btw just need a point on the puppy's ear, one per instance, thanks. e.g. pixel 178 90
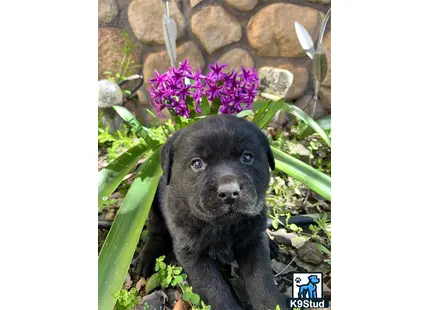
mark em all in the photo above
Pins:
pixel 166 156
pixel 265 143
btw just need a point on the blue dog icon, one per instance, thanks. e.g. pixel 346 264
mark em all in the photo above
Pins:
pixel 309 289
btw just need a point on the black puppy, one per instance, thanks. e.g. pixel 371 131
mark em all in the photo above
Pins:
pixel 210 207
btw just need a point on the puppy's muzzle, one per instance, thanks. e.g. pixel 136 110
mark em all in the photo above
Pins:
pixel 228 189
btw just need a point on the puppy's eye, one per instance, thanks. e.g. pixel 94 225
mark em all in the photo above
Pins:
pixel 247 158
pixel 197 164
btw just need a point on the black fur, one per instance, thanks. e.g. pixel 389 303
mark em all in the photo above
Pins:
pixel 204 230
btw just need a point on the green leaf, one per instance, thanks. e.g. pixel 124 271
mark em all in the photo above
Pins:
pixel 293 227
pixel 111 176
pixel 215 106
pixel 206 108
pixel 319 66
pixel 152 283
pixel 324 123
pixel 152 114
pixel 127 116
pixel 195 299
pixel 245 113
pixel 258 104
pixel 118 249
pixel 323 248
pixel 302 172
pixel 186 296
pixel 177 270
pixel 296 111
pixel 265 114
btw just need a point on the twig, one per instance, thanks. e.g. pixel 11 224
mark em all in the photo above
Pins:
pixel 286 266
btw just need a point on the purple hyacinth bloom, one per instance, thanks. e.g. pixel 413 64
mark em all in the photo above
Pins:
pixel 216 71
pixel 184 67
pixel 172 89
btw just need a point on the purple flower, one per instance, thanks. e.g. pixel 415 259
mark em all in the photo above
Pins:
pixel 216 71
pixel 172 89
pixel 185 67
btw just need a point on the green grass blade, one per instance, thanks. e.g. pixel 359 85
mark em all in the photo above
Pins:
pixel 111 176
pixel 244 113
pixel 261 119
pixel 309 176
pixel 117 252
pixel 127 116
pixel 205 106
pixel 324 123
pixel 296 111
pixel 260 112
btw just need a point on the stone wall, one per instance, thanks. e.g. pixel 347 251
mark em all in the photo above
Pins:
pixel 236 32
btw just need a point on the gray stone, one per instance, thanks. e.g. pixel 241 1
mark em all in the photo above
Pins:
pixel 161 62
pixel 271 31
pixel 236 58
pixel 281 236
pixel 309 253
pixel 243 5
pixel 110 94
pixel 274 82
pixel 146 20
pixel 111 42
pixel 193 3
pixel 108 10
pixel 300 82
pixel 215 27
pixel 155 301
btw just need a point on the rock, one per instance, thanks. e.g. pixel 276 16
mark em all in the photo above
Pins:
pixel 326 291
pixel 274 82
pixel 146 16
pixel 298 241
pixel 309 253
pixel 242 5
pixel 300 82
pixel 161 60
pixel 193 3
pixel 155 301
pixel 281 267
pixel 289 292
pixel 325 97
pixel 319 1
pixel 236 58
pixel 271 31
pixel 181 305
pixel 110 94
pixel 327 49
pixel 111 41
pixel 281 236
pixel 306 104
pixel 173 296
pixel 215 27
pixel 141 283
pixel 127 282
pixel 108 10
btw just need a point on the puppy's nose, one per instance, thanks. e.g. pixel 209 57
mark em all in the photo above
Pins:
pixel 229 192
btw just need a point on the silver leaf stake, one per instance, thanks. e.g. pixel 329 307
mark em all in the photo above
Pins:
pixel 305 39
pixel 170 32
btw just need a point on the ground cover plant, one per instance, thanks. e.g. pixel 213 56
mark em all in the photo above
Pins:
pixel 130 169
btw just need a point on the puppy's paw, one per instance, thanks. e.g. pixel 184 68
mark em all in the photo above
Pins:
pixel 143 265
